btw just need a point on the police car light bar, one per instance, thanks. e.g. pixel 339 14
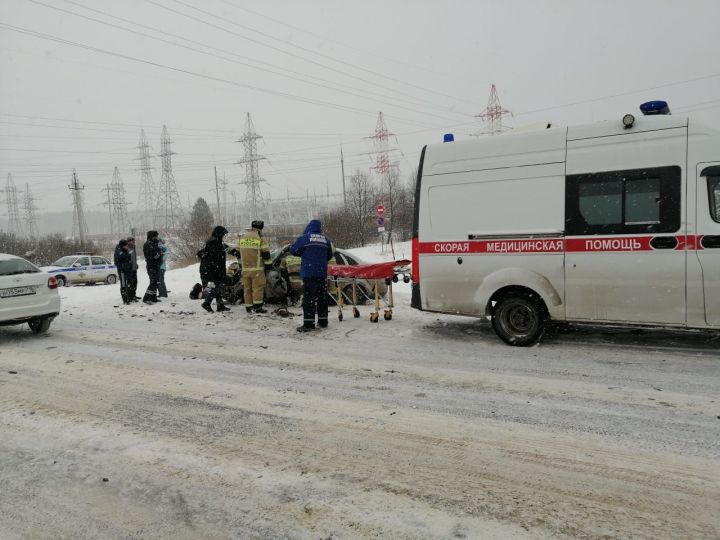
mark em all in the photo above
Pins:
pixel 654 107
pixel 448 137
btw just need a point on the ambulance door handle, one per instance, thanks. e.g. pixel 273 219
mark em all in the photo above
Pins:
pixel 664 242
pixel 711 241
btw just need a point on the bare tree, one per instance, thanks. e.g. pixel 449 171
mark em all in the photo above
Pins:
pixel 404 208
pixel 361 206
pixel 339 225
pixel 390 188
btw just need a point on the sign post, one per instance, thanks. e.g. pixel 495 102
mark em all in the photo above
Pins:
pixel 380 211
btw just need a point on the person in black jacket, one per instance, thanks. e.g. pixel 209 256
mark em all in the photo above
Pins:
pixel 153 260
pixel 132 277
pixel 212 269
pixel 123 262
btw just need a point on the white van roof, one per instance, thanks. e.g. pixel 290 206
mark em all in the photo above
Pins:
pixel 609 128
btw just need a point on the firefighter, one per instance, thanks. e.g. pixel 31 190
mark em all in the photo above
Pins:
pixel 316 250
pixel 254 255
pixel 290 270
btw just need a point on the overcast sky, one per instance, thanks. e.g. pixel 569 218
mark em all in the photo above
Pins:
pixel 315 74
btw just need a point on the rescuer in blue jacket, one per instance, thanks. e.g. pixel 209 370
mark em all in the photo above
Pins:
pixel 315 250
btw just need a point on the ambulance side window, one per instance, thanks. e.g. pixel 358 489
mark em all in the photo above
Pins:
pixel 714 195
pixel 623 202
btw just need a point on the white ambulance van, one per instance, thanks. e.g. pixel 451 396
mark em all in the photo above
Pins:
pixel 616 222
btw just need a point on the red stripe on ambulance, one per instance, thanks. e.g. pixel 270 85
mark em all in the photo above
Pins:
pixel 553 245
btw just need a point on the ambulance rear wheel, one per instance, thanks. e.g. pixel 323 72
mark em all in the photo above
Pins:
pixel 519 319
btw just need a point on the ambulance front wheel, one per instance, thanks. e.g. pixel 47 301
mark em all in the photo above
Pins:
pixel 519 318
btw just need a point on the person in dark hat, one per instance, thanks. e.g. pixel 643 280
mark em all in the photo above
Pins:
pixel 254 255
pixel 123 263
pixel 153 260
pixel 212 269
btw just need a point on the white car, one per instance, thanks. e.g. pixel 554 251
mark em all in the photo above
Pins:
pixel 27 294
pixel 89 269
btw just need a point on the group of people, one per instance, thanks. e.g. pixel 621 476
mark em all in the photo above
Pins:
pixel 156 254
pixel 311 252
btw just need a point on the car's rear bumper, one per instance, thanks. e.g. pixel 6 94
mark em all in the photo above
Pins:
pixel 45 305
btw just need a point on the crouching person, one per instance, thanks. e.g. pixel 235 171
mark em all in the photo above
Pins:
pixel 315 250
pixel 124 264
pixel 212 268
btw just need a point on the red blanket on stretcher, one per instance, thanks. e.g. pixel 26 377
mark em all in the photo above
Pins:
pixel 384 270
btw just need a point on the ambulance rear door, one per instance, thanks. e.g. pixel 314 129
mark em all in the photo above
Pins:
pixel 708 237
pixel 624 224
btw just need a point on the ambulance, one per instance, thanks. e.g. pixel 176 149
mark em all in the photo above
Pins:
pixel 615 222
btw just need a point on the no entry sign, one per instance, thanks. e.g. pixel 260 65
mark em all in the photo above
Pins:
pixel 380 209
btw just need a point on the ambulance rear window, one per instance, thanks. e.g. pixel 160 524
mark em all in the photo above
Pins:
pixel 714 195
pixel 623 202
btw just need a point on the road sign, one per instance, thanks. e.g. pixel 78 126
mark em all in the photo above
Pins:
pixel 381 229
pixel 380 209
pixel 381 221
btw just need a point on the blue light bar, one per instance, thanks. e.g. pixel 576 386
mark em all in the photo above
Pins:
pixel 654 107
pixel 448 137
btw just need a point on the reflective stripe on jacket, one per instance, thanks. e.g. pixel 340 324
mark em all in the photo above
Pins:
pixel 253 251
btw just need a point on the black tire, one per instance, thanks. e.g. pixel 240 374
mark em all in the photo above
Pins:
pixel 111 279
pixel 519 319
pixel 39 325
pixel 61 281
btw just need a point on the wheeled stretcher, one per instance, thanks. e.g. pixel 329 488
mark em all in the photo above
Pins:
pixel 388 272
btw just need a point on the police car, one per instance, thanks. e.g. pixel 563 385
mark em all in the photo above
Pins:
pixel 82 268
pixel 27 294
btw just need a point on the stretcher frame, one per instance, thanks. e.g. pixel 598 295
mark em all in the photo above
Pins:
pixel 388 272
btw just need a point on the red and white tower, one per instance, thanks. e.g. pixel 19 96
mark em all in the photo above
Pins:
pixel 492 115
pixel 381 148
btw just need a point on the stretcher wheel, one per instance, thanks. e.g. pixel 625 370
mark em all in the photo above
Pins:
pixel 374 317
pixel 356 312
pixel 340 316
pixel 388 315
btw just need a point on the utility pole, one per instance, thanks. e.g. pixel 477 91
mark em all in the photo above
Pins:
pixel 224 184
pixel 11 199
pixel 342 168
pixel 218 217
pixel 253 193
pixel 30 211
pixel 382 166
pixel 147 200
pixel 108 203
pixel 80 229
pixel 169 209
pixel 118 204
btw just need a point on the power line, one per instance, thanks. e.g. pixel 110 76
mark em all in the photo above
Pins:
pixel 279 71
pixel 56 39
pixel 325 38
pixel 300 57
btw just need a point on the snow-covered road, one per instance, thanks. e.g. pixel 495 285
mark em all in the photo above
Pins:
pixel 169 422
